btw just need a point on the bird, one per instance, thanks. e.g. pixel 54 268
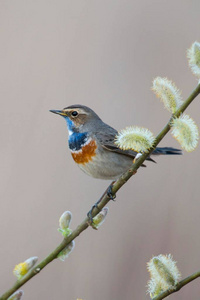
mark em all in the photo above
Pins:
pixel 92 144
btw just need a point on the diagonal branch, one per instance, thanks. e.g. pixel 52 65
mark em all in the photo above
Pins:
pixel 102 202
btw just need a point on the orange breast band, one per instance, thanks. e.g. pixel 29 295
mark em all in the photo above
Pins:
pixel 85 154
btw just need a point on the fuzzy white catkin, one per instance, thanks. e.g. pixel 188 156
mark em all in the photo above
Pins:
pixel 163 274
pixel 185 131
pixel 135 138
pixel 193 55
pixel 168 93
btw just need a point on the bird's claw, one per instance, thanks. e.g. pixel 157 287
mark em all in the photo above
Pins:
pixel 89 214
pixel 111 196
pixel 109 192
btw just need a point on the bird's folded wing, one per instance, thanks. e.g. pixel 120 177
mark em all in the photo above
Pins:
pixel 107 141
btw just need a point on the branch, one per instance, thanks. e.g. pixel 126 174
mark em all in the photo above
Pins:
pixel 178 286
pixel 102 202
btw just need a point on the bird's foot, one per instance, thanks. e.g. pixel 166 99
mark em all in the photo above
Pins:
pixel 89 214
pixel 109 192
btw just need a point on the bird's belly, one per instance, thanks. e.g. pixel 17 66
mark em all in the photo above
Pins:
pixel 104 164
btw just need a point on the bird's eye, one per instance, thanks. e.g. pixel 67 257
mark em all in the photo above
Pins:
pixel 74 113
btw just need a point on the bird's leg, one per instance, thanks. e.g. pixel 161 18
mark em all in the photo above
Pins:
pixel 109 194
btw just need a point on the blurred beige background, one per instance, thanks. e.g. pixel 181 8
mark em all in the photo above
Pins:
pixel 103 54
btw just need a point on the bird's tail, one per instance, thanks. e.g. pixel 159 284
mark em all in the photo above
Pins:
pixel 166 151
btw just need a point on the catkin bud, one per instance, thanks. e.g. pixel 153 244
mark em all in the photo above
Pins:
pixel 16 296
pixel 99 218
pixel 66 251
pixel 164 274
pixel 135 138
pixel 64 223
pixel 193 55
pixel 22 269
pixel 65 220
pixel 168 93
pixel 185 131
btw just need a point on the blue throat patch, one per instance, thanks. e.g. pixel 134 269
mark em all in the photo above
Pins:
pixel 70 124
pixel 77 140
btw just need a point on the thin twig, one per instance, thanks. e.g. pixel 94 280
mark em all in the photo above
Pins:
pixel 103 201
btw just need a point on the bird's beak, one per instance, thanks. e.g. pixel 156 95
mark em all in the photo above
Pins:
pixel 58 112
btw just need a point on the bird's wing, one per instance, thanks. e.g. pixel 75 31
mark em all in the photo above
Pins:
pixel 107 141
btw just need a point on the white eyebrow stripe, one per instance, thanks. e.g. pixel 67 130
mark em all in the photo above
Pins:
pixel 79 110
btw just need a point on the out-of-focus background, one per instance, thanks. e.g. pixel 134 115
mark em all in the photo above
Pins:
pixel 103 54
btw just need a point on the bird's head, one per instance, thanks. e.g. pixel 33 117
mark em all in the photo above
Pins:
pixel 78 117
